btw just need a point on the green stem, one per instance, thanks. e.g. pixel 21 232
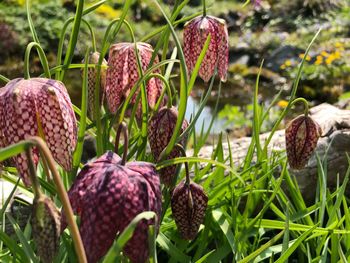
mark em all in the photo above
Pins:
pixel 105 45
pixel 166 89
pixel 187 171
pixel 122 128
pixel 32 174
pixel 60 43
pixel 293 93
pixel 183 85
pixel 305 102
pixel 44 150
pixel 42 58
pixel 4 79
pixel 204 8
pixel 73 37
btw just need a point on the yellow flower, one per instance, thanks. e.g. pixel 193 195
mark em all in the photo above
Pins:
pixel 319 60
pixel 108 11
pixel 336 54
pixel 330 59
pixel 288 63
pixel 308 57
pixel 282 103
pixel 339 44
pixel 325 53
pixel 283 66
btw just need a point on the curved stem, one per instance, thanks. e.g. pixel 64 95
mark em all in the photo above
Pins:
pixel 293 92
pixel 73 37
pixel 204 8
pixel 45 152
pixel 187 170
pixel 167 89
pixel 122 128
pixel 305 102
pixel 32 173
pixel 42 57
pixel 105 45
pixel 92 34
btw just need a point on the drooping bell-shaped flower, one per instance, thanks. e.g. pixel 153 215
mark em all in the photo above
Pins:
pixel 301 134
pixel 160 129
pixel 46 225
pixel 92 73
pixel 196 32
pixel 122 74
pixel 188 205
pixel 107 195
pixel 38 107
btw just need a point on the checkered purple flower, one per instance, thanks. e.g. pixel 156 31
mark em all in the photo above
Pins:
pixel 33 107
pixel 107 195
pixel 196 32
pixel 301 134
pixel 122 74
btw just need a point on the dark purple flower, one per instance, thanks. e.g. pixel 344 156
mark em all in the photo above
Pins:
pixel 122 74
pixel 160 129
pixel 188 204
pixel 38 107
pixel 107 196
pixel 301 134
pixel 196 32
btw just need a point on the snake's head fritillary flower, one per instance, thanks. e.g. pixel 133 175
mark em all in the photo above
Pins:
pixel 196 32
pixel 188 204
pixel 107 195
pixel 38 107
pixel 122 74
pixel 160 129
pixel 301 134
pixel 46 225
pixel 92 73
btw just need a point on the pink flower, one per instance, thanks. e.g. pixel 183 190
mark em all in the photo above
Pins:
pixel 196 32
pixel 107 195
pixel 122 74
pixel 33 107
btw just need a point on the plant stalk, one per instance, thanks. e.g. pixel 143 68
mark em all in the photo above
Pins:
pixel 204 8
pixel 305 102
pixel 122 128
pixel 45 152
pixel 32 174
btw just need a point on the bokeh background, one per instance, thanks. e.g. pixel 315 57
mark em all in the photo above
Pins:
pixel 277 31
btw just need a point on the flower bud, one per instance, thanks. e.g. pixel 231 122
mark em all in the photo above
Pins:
pixel 188 204
pixel 92 73
pixel 160 130
pixel 46 228
pixel 301 134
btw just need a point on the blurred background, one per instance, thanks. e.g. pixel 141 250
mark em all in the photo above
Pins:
pixel 277 31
